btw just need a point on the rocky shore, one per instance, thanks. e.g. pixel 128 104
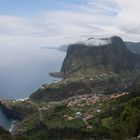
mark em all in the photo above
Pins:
pixel 9 111
pixel 14 127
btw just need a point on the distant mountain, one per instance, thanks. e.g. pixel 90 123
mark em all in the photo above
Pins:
pixel 63 48
pixel 60 48
pixel 50 48
pixel 133 46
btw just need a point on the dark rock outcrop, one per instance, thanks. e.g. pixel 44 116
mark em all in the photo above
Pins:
pixel 114 56
pixel 11 113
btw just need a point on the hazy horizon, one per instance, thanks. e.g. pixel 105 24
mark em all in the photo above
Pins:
pixel 22 71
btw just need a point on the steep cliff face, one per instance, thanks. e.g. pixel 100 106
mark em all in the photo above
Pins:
pixel 113 56
pixel 101 66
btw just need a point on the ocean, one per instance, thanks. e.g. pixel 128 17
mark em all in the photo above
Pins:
pixel 23 71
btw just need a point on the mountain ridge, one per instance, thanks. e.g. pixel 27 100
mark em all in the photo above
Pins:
pixel 132 46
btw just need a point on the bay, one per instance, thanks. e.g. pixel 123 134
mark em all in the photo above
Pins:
pixel 24 70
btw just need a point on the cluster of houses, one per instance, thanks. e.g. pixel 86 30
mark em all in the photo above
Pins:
pixel 80 102
pixel 91 99
pixel 115 96
pixel 83 100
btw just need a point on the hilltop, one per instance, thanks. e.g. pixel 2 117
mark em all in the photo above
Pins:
pixel 132 46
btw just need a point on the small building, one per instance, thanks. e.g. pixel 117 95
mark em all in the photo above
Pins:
pixel 42 87
pixel 78 114
pixel 89 127
pixel 98 111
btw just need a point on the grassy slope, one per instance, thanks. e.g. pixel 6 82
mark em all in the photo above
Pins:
pixel 118 119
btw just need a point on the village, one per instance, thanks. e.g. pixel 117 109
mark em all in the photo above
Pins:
pixel 84 107
pixel 94 103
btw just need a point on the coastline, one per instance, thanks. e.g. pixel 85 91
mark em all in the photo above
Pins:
pixel 9 111
pixel 13 114
pixel 22 99
pixel 14 126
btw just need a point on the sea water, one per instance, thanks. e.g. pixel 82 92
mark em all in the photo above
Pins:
pixel 23 71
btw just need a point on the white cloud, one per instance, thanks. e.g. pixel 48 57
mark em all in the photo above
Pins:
pixel 96 41
pixel 94 18
pixel 128 16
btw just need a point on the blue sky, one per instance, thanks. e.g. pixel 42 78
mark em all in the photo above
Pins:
pixel 31 7
pixel 57 22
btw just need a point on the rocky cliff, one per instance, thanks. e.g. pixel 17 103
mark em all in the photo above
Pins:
pixel 112 56
pixel 10 111
pixel 96 66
